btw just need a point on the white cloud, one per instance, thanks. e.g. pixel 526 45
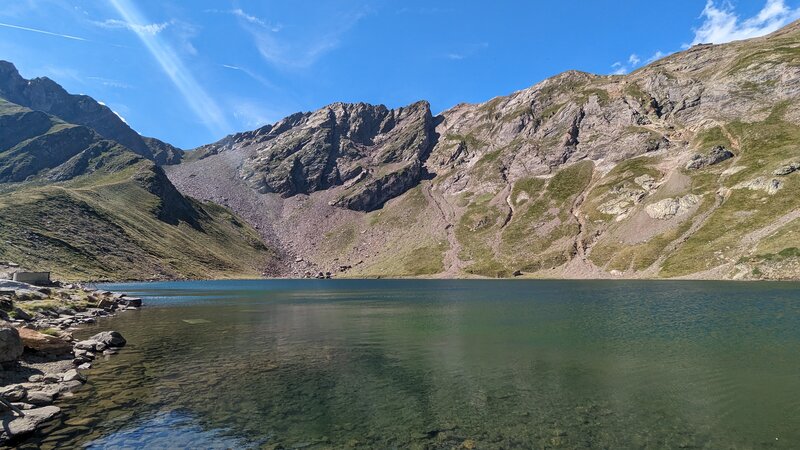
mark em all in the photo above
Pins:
pixel 110 83
pixel 40 31
pixel 633 59
pixel 255 20
pixel 252 115
pixel 656 56
pixel 467 51
pixel 722 24
pixel 150 28
pixel 620 70
pixel 195 96
pixel 304 48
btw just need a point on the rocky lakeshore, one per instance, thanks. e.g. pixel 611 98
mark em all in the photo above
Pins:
pixel 41 360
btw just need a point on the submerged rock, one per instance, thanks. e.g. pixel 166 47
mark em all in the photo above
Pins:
pixel 73 375
pixel 14 426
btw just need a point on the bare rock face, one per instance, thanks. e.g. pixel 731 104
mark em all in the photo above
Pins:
pixel 374 152
pixel 787 169
pixel 671 207
pixel 11 346
pixel 715 156
pixel 770 186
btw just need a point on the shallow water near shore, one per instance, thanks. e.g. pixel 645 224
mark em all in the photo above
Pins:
pixel 443 364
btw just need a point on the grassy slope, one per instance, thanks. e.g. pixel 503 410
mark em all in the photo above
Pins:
pixel 105 226
pixel 765 146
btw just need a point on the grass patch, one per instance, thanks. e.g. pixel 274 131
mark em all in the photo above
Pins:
pixel 763 146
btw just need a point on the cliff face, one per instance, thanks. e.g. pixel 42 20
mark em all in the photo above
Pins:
pixel 45 95
pixel 373 153
pixel 579 176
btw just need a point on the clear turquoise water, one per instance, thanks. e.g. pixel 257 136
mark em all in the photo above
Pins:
pixel 443 364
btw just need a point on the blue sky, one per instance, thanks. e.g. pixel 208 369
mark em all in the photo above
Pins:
pixel 190 72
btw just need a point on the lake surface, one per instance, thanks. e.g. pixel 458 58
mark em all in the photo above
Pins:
pixel 445 364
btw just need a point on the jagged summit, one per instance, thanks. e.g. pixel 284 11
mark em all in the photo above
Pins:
pixel 43 94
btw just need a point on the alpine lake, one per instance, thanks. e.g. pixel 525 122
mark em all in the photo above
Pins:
pixel 444 364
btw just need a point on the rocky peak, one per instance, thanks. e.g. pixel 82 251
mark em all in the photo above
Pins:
pixel 370 152
pixel 43 94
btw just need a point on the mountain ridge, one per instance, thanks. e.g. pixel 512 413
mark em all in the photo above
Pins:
pixel 579 175
pixel 685 168
pixel 44 94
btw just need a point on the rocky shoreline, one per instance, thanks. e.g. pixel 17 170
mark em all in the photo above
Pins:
pixel 41 360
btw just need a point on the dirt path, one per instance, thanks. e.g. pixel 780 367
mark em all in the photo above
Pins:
pixel 453 265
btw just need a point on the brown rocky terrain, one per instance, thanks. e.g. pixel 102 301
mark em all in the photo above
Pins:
pixel 684 168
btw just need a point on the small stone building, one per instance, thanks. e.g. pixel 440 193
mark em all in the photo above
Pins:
pixel 37 278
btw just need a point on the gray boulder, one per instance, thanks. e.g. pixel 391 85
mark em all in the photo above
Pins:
pixel 22 315
pixel 39 398
pixel 715 156
pixel 14 393
pixel 73 375
pixel 786 169
pixel 109 339
pixel 14 426
pixel 11 346
pixel 131 301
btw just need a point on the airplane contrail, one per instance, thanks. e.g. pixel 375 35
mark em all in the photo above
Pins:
pixel 50 33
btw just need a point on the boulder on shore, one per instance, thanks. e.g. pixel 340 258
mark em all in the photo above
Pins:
pixel 109 339
pixel 44 343
pixel 11 346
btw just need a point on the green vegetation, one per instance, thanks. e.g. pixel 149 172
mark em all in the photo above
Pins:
pixel 773 54
pixel 112 226
pixel 475 231
pixel 541 233
pixel 531 187
pixel 51 332
pixel 340 240
pixel 602 96
pixel 634 90
pixel 763 146
pixel 425 260
pixel 404 213
pixel 707 139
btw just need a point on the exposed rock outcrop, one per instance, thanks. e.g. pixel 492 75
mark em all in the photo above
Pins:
pixel 43 343
pixel 671 207
pixel 787 169
pixel 770 186
pixel 375 152
pixel 715 156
